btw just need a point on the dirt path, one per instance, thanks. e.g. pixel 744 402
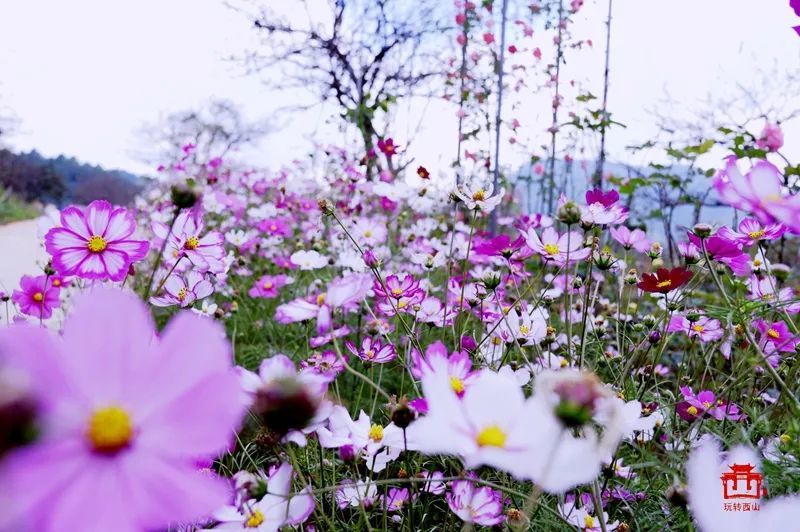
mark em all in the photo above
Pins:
pixel 20 253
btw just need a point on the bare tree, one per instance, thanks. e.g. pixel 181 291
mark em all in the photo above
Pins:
pixel 361 55
pixel 213 130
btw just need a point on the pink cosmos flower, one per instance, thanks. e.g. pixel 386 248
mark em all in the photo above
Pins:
pixel 371 350
pixel 96 242
pixel 724 250
pixel 771 138
pixel 183 289
pixel 124 417
pixel 764 288
pixel 759 192
pixel 37 296
pixel 203 251
pixel 396 499
pixel 705 328
pixel 268 286
pixel 751 231
pixel 344 292
pixel 276 226
pixel 471 504
pixel 327 364
pixel 567 247
pixel 636 239
pixel 603 208
pixel 778 335
pixel 705 403
pixel 458 366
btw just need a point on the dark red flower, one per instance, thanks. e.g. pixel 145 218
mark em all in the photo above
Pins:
pixel 664 280
pixel 423 173
pixel 387 146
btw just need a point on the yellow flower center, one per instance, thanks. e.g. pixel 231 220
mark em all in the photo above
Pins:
pixel 110 429
pixel 191 243
pixel 698 328
pixel 96 244
pixel 479 195
pixel 491 436
pixel 368 234
pixel 402 304
pixel 376 433
pixel 56 282
pixel 496 340
pixel 551 249
pixel 273 228
pixel 396 291
pixel 38 297
pixel 692 410
pixel 268 285
pixel 588 522
pixel 772 333
pixel 706 404
pixel 369 353
pixel 182 294
pixel 456 384
pixel 664 284
pixel 320 299
pixel 755 235
pixel 255 520
pixel 785 438
pixel 524 329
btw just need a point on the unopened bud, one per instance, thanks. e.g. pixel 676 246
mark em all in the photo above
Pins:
pixel 569 213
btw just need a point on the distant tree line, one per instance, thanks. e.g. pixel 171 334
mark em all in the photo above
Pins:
pixel 63 180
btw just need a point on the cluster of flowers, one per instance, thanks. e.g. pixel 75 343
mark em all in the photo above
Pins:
pixel 503 360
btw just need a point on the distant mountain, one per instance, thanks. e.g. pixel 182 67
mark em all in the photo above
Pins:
pixel 63 180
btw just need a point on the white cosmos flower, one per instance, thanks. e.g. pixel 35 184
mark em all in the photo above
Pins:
pixel 478 196
pixel 309 260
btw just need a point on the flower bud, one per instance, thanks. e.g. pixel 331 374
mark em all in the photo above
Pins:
pixel 577 399
pixel 702 230
pixel 347 453
pixel 569 213
pixel 654 337
pixel 325 206
pixel 649 320
pixel 402 414
pixel 183 196
pixel 285 405
pixel 491 281
pixel 632 277
pixel 371 260
pixel 517 520
pixel 676 495
pixel 655 250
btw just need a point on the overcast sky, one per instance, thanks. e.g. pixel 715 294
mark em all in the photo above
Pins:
pixel 83 75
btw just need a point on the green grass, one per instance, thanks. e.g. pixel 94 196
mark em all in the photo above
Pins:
pixel 13 209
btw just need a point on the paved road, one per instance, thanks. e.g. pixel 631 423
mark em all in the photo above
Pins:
pixel 20 253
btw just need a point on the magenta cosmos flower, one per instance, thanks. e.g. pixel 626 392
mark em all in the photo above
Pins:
pixel 124 418
pixel 778 335
pixel 95 243
pixel 269 286
pixel 37 296
pixel 705 403
pixel 705 328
